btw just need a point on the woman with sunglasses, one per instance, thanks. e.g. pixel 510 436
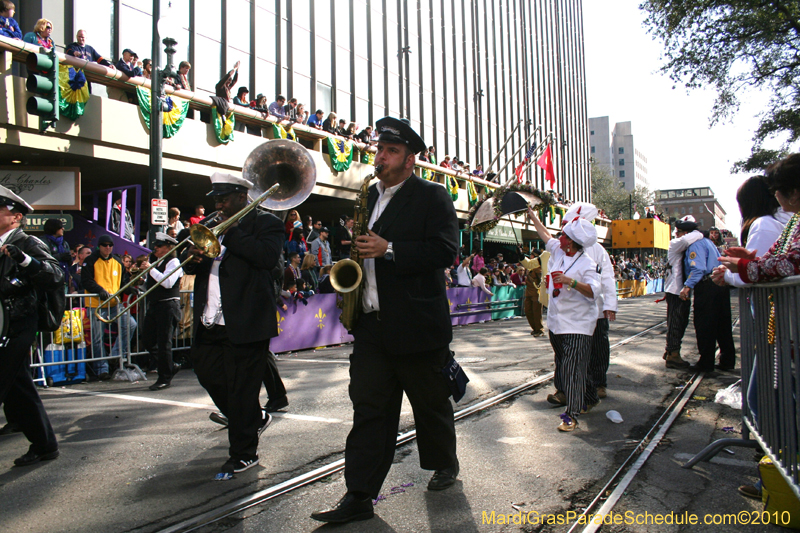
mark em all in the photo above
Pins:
pixel 40 36
pixel 572 315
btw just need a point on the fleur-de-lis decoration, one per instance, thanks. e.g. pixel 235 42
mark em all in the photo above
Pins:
pixel 280 319
pixel 319 316
pixel 469 301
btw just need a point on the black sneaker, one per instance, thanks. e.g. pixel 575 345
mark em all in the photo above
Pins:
pixel 219 418
pixel 235 466
pixel 266 420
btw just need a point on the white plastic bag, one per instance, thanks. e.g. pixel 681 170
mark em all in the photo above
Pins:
pixel 731 396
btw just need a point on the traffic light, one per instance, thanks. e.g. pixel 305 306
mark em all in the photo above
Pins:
pixel 43 81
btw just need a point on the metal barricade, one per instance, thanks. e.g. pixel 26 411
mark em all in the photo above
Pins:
pixel 770 355
pixel 63 356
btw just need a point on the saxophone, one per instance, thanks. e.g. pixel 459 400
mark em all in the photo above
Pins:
pixel 347 275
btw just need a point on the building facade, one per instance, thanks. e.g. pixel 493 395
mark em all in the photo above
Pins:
pixel 465 73
pixel 615 149
pixel 699 202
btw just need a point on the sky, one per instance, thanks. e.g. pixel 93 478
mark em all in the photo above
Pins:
pixel 670 125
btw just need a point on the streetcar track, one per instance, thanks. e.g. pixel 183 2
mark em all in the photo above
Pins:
pixel 247 502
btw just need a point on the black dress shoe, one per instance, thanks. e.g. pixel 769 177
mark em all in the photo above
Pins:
pixel 175 369
pixel 350 508
pixel 32 457
pixel 276 404
pixel 160 385
pixel 697 368
pixel 444 478
pixel 219 418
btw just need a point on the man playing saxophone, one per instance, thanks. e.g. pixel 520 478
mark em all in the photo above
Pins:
pixel 403 334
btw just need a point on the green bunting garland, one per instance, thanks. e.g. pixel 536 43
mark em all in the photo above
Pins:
pixel 341 154
pixel 172 119
pixel 472 194
pixel 223 129
pixel 279 132
pixel 368 158
pixel 452 187
pixel 74 91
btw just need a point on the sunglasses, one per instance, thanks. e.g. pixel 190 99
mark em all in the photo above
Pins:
pixel 48 27
pixel 108 244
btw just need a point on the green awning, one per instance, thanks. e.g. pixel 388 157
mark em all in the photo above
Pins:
pixel 505 234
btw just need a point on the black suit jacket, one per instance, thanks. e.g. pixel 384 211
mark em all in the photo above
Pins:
pixel 420 222
pixel 253 249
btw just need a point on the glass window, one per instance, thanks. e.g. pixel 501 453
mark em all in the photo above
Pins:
pixel 360 21
pixel 131 34
pixel 377 38
pixel 301 89
pixel 207 70
pixel 266 4
pixel 244 70
pixel 323 61
pixel 238 24
pixel 621 173
pixel 621 150
pixel 378 98
pixel 592 132
pixel 342 18
pixel 621 161
pixel 96 18
pixel 324 98
pixel 362 112
pixel 265 78
pixel 362 75
pixel 301 51
pixel 266 36
pixel 378 112
pixel 691 210
pixel 322 22
pixel 592 149
pixel 300 14
pixel 343 106
pixel 145 6
pixel 209 22
pixel 394 93
pixel 342 69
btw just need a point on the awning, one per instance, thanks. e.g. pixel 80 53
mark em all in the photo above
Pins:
pixel 505 234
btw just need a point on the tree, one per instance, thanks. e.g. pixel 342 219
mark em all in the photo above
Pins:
pixel 610 195
pixel 732 46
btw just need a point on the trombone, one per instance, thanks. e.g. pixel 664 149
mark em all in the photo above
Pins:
pixel 284 168
pixel 201 237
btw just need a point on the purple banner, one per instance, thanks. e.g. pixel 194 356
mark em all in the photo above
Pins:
pixel 461 296
pixel 309 326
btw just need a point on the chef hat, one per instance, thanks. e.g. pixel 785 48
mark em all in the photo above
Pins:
pixel 581 231
pixel 584 210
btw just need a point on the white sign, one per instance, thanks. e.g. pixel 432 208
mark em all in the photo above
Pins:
pixel 45 187
pixel 159 212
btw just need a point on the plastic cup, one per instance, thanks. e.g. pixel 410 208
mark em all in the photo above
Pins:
pixel 556 285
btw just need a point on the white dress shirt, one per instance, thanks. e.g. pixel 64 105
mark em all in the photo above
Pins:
pixel 212 315
pixel 172 264
pixel 675 259
pixel 370 300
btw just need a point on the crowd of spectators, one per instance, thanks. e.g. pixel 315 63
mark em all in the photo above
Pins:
pixel 639 268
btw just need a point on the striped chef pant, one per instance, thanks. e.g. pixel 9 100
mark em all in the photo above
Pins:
pixel 572 353
pixel 677 320
pixel 599 359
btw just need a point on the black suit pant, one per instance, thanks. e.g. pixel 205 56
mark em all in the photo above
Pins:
pixel 712 324
pixel 17 391
pixel 232 374
pixel 377 382
pixel 159 327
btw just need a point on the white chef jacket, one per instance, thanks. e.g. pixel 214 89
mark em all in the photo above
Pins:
pixel 675 259
pixel 570 311
pixel 607 299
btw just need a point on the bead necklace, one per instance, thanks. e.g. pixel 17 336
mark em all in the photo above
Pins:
pixel 784 241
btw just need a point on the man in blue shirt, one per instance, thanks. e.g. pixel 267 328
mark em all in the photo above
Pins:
pixel 276 108
pixel 712 307
pixel 317 119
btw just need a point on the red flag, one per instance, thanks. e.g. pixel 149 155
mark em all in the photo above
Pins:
pixel 546 162
pixel 520 170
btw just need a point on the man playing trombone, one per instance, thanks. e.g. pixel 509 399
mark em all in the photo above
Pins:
pixel 163 308
pixel 235 317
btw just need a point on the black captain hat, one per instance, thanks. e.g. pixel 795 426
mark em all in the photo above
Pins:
pixel 395 130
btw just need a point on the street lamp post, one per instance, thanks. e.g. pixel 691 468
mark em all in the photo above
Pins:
pixel 166 27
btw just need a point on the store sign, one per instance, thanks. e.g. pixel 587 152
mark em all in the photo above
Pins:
pixel 505 234
pixel 45 187
pixel 159 212
pixel 35 223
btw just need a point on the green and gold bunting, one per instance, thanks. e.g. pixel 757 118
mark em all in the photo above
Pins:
pixel 472 194
pixel 223 128
pixel 74 91
pixel 279 132
pixel 172 120
pixel 341 153
pixel 452 187
pixel 368 158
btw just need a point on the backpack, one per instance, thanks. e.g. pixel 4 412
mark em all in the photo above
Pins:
pixel 51 306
